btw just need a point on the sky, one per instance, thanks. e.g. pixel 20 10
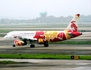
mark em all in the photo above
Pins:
pixel 30 9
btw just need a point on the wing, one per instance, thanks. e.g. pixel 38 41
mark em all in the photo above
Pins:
pixel 26 38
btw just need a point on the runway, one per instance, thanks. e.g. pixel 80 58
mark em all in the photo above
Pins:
pixel 52 49
pixel 71 49
pixel 38 64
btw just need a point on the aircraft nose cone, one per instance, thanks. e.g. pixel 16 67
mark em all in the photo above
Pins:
pixel 5 37
pixel 80 33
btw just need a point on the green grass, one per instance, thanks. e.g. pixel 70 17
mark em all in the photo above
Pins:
pixel 85 57
pixel 43 56
pixel 5 31
pixel 11 62
pixel 8 62
pixel 43 25
pixel 72 42
pixel 35 56
pixel 2 35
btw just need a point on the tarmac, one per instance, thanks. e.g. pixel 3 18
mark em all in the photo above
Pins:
pixel 6 46
pixel 40 64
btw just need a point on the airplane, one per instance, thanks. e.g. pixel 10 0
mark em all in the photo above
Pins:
pixel 21 38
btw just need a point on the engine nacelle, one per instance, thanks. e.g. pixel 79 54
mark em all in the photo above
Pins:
pixel 18 42
pixel 40 41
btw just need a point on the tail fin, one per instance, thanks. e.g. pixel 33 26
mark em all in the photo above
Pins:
pixel 72 25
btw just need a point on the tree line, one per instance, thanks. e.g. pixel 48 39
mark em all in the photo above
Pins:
pixel 46 19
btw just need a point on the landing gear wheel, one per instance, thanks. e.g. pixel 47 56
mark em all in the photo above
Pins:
pixel 46 44
pixel 13 45
pixel 32 46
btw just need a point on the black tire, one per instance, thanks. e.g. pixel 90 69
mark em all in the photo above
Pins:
pixel 32 46
pixel 46 44
pixel 13 45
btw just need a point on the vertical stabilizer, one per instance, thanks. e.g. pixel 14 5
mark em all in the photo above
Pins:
pixel 72 25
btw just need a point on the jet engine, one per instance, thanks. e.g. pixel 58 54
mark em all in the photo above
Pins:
pixel 19 42
pixel 40 41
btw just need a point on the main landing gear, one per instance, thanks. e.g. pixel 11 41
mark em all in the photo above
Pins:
pixel 46 44
pixel 32 46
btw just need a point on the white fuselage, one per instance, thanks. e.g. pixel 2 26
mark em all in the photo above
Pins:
pixel 10 35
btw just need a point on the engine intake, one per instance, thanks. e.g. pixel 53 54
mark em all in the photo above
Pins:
pixel 18 42
pixel 40 41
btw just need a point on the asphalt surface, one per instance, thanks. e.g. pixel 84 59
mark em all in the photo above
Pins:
pixel 6 47
pixel 37 64
pixel 52 49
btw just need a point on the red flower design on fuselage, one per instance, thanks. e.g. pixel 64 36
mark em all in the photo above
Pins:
pixel 73 25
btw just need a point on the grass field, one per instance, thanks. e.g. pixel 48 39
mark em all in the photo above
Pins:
pixel 42 25
pixel 78 42
pixel 44 56
pixel 11 27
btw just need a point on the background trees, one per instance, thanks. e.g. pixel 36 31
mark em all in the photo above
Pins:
pixel 46 19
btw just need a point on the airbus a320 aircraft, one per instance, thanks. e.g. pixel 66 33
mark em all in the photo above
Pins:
pixel 44 37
